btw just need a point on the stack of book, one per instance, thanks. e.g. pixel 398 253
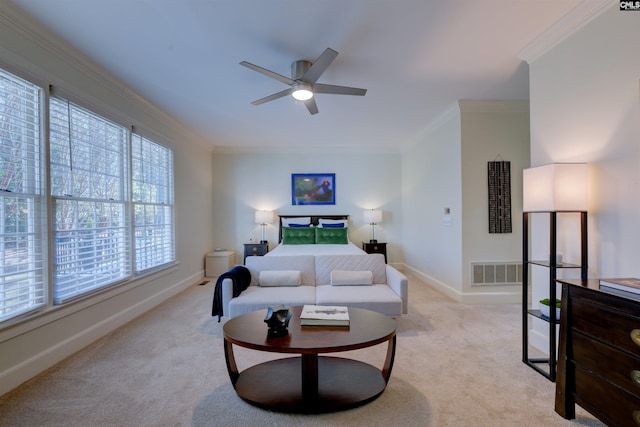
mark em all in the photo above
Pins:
pixel 628 284
pixel 324 315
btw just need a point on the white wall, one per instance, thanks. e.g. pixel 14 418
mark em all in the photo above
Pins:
pixel 431 182
pixel 491 130
pixel 446 167
pixel 245 182
pixel 585 108
pixel 32 345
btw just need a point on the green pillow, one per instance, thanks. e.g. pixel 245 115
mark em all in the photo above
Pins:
pixel 298 236
pixel 331 236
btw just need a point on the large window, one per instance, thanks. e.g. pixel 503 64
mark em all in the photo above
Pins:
pixel 89 185
pixel 22 284
pixel 152 185
pixel 109 203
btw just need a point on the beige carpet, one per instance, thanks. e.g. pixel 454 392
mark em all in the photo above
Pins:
pixel 456 365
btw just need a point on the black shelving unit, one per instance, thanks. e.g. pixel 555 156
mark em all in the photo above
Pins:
pixel 552 265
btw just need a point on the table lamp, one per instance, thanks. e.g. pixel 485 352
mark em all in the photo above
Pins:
pixel 263 218
pixel 373 216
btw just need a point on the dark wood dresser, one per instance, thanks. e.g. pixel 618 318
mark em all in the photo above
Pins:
pixel 599 353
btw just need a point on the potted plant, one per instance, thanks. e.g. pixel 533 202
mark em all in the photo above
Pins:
pixel 545 309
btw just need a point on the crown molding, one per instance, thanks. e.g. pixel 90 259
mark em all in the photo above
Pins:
pixel 17 20
pixel 450 113
pixel 569 24
pixel 281 149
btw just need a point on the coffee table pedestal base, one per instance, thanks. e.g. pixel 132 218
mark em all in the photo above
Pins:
pixel 342 384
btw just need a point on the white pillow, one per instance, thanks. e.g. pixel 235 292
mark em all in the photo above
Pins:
pixel 343 277
pixel 344 222
pixel 305 220
pixel 279 278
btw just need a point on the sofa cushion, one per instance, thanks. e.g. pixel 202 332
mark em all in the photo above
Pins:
pixel 304 263
pixel 380 298
pixel 258 298
pixel 325 264
pixel 279 278
pixel 345 277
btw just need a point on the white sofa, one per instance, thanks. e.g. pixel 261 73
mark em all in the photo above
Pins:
pixel 388 293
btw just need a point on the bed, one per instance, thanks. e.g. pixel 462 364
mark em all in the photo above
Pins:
pixel 322 235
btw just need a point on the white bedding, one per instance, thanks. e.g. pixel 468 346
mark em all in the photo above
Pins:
pixel 348 249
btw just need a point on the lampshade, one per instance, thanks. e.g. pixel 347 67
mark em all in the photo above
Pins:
pixel 555 187
pixel 373 216
pixel 264 217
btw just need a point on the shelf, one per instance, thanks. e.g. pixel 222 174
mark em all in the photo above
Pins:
pixel 539 315
pixel 527 311
pixel 548 264
pixel 543 370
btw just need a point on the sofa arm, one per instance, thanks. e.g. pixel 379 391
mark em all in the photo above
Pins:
pixel 400 285
pixel 227 295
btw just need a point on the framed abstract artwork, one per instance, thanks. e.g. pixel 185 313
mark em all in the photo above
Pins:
pixel 313 188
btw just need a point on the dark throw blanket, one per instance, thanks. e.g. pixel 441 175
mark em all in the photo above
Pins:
pixel 241 278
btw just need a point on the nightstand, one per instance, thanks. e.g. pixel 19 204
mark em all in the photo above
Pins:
pixel 255 249
pixel 375 248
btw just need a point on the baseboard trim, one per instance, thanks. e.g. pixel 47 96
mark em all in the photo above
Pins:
pixel 437 284
pixel 539 340
pixel 490 297
pixel 18 374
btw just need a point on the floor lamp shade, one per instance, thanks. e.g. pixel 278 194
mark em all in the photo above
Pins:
pixel 555 187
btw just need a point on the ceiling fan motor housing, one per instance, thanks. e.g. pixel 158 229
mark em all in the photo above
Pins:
pixel 298 68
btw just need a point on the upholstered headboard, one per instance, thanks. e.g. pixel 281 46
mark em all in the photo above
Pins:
pixel 314 220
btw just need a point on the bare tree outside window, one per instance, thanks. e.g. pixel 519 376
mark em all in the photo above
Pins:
pixel 88 181
pixel 22 285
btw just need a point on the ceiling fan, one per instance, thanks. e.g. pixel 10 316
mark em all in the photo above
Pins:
pixel 303 86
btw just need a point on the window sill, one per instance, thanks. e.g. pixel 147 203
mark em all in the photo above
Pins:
pixel 12 328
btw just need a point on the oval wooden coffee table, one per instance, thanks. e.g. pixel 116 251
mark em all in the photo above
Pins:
pixel 310 383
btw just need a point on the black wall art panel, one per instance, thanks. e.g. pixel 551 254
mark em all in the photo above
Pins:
pixel 499 197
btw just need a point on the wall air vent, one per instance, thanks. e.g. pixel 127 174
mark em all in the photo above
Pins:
pixel 496 273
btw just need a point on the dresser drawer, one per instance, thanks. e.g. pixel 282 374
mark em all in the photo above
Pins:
pixel 618 367
pixel 597 395
pixel 611 327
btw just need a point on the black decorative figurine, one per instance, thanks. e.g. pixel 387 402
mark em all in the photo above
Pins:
pixel 278 320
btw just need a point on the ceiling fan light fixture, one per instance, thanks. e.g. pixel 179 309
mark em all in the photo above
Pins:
pixel 302 92
pixel 302 84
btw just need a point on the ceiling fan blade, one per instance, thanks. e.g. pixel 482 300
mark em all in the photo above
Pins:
pixel 322 63
pixel 272 97
pixel 338 90
pixel 269 73
pixel 311 106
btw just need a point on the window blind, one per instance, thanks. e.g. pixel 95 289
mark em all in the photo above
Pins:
pixel 152 187
pixel 22 279
pixel 89 184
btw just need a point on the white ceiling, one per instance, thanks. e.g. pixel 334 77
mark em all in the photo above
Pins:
pixel 416 58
